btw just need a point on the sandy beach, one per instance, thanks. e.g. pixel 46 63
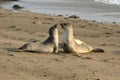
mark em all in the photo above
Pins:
pixel 19 28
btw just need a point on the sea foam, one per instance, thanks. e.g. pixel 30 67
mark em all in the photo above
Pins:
pixel 117 2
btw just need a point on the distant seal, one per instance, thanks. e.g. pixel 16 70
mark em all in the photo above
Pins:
pixel 50 45
pixel 16 7
pixel 72 45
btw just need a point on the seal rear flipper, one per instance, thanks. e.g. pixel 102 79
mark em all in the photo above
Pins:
pixel 14 49
pixel 22 48
pixel 25 46
pixel 98 50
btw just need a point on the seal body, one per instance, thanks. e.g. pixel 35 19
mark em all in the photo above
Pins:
pixel 50 45
pixel 70 44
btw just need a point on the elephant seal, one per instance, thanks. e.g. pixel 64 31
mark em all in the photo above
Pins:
pixel 17 7
pixel 72 45
pixel 50 45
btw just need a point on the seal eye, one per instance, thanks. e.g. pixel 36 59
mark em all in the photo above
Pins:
pixel 65 24
pixel 55 26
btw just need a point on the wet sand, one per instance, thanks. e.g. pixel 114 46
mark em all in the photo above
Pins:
pixel 86 9
pixel 19 28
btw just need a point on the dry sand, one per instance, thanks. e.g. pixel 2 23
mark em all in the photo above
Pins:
pixel 19 28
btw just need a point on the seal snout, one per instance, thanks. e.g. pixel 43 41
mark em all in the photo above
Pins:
pixel 55 26
pixel 64 24
pixel 61 25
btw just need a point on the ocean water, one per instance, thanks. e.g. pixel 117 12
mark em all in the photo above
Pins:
pixel 99 10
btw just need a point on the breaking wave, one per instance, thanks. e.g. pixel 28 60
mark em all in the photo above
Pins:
pixel 117 2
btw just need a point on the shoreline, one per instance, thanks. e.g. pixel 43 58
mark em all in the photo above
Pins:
pixel 22 27
pixel 83 9
pixel 63 16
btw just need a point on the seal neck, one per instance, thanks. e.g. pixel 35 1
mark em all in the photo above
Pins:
pixel 70 34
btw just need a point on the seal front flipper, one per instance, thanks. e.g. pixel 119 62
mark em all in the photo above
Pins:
pixel 98 50
pixel 14 49
pixel 25 46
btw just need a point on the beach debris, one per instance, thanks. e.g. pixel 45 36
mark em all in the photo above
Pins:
pixel 108 33
pixel 103 44
pixel 37 22
pixel 16 7
pixel 14 0
pixel 33 40
pixel 55 59
pixel 114 22
pixel 60 15
pixel 65 18
pixel 87 57
pixel 18 29
pixel 12 27
pixel 1 13
pixel 74 16
pixel 97 79
pixel 36 18
pixel 83 26
pixel 34 22
pixel 117 31
pixel 94 21
pixel 49 18
pixel 10 54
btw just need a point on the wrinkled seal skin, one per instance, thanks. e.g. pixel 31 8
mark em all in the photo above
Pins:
pixel 70 44
pixel 50 45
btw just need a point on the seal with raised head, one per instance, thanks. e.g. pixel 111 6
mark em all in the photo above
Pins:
pixel 72 45
pixel 50 45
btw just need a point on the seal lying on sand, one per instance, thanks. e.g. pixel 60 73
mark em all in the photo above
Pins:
pixel 50 45
pixel 70 44
pixel 17 7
